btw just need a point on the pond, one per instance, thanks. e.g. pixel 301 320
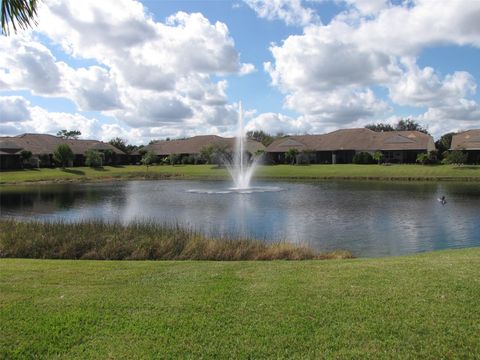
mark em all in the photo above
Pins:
pixel 368 218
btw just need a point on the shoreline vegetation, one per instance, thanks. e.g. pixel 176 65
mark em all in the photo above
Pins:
pixel 273 172
pixel 422 306
pixel 92 240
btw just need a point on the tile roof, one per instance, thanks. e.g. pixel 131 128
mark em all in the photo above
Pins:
pixel 467 140
pixel 355 139
pixel 194 145
pixel 46 144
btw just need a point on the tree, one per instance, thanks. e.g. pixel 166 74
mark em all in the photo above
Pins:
pixel 148 159
pixel 378 157
pixel 422 158
pixel 173 159
pixel 291 156
pixel 215 153
pixel 120 144
pixel 19 14
pixel 409 125
pixel 93 158
pixel 109 156
pixel 25 155
pixel 401 125
pixel 206 152
pixel 260 136
pixel 443 144
pixel 456 157
pixel 362 158
pixel 72 134
pixel 380 127
pixel 63 154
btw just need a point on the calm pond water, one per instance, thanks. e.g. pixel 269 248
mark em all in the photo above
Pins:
pixel 367 218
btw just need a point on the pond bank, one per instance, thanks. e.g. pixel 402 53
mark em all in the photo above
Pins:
pixel 276 172
pixel 423 306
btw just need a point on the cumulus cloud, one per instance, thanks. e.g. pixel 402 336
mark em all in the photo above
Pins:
pixel 292 12
pixel 274 123
pixel 13 109
pixel 328 73
pixel 424 87
pixel 149 74
pixel 27 64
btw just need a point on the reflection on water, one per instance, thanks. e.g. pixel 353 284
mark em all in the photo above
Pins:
pixel 368 218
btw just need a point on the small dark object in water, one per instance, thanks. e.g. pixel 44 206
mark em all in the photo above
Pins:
pixel 442 200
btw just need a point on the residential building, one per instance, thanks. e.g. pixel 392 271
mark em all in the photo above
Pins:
pixel 469 142
pixel 339 147
pixel 194 145
pixel 43 146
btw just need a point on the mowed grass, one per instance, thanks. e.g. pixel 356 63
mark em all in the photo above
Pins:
pixel 209 172
pixel 424 306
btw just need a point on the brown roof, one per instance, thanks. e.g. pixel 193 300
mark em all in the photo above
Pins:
pixel 9 145
pixel 467 140
pixel 46 144
pixel 355 139
pixel 194 145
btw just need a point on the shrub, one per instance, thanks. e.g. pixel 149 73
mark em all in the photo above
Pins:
pixel 455 157
pixel 44 160
pixel 93 158
pixel 291 156
pixel 363 158
pixel 109 156
pixel 25 156
pixel 378 157
pixel 174 159
pixel 422 158
pixel 63 154
pixel 148 159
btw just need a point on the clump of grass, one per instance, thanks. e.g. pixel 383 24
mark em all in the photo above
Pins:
pixel 137 241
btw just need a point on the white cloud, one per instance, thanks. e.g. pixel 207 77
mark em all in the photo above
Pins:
pixel 327 74
pixel 27 64
pixel 149 74
pixel 368 7
pixel 290 11
pixel 424 87
pixel 13 109
pixel 274 123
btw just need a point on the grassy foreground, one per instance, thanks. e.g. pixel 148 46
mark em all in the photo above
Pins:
pixel 347 171
pixel 424 306
pixel 137 241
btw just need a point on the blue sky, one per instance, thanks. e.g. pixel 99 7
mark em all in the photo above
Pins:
pixel 155 69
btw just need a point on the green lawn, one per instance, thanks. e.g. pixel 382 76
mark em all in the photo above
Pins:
pixel 424 306
pixel 378 172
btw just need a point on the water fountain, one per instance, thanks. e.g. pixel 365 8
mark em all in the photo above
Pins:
pixel 240 167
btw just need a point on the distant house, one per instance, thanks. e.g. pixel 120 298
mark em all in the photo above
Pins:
pixel 193 146
pixel 339 147
pixel 43 146
pixel 469 142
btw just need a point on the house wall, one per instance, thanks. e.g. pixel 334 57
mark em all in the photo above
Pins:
pixel 473 156
pixel 10 162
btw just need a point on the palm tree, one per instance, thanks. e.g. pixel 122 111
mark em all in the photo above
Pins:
pixel 20 14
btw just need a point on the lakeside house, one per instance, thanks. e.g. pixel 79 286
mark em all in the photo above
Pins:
pixel 469 142
pixel 43 146
pixel 194 145
pixel 340 146
pixel 337 147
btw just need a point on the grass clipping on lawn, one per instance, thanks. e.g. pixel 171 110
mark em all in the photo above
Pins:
pixel 137 241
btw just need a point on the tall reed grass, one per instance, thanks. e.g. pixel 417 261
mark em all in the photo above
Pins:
pixel 137 241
